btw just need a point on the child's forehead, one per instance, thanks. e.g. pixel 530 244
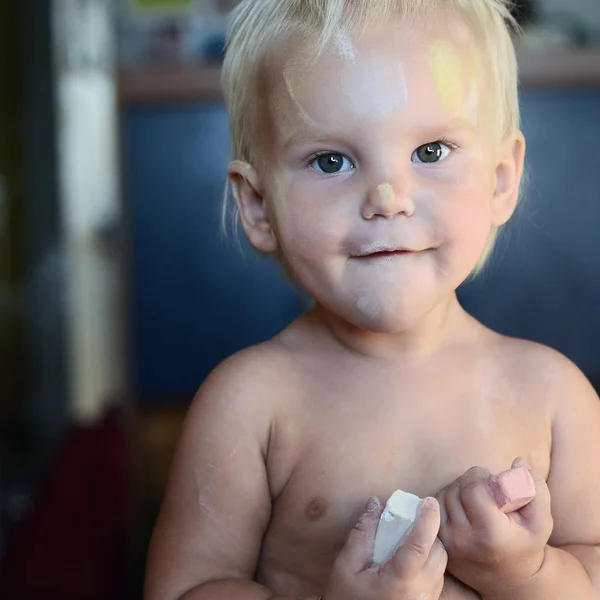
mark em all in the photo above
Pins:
pixel 383 63
pixel 302 45
pixel 448 42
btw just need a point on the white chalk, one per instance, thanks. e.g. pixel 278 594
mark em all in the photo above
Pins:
pixel 398 516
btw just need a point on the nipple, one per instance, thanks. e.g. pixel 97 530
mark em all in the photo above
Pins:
pixel 316 509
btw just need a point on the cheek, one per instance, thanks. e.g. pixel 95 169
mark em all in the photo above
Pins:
pixel 311 222
pixel 468 218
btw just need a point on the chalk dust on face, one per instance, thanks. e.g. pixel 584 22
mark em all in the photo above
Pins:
pixel 373 304
pixel 457 72
pixel 369 306
pixel 447 70
pixel 377 91
pixel 473 104
pixel 289 73
pixel 345 47
pixel 370 88
pixel 387 194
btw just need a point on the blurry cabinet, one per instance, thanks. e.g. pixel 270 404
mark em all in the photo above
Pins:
pixel 544 280
pixel 196 298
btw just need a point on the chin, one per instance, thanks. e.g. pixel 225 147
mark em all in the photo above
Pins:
pixel 388 323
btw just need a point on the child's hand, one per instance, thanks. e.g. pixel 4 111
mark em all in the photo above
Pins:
pixel 415 572
pixel 457 590
pixel 488 549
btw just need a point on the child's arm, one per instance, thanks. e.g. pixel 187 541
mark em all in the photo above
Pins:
pixel 550 549
pixel 572 566
pixel 217 504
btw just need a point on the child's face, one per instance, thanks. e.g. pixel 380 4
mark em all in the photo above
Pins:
pixel 382 175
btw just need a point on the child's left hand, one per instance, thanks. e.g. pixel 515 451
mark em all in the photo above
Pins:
pixel 488 550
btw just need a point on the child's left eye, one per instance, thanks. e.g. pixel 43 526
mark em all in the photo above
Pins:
pixel 431 153
pixel 331 163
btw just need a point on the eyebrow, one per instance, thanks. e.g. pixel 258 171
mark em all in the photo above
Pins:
pixel 304 135
pixel 458 124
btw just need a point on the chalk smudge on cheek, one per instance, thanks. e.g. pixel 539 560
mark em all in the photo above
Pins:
pixel 447 70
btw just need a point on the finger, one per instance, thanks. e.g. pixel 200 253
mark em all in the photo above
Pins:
pixel 477 499
pixel 437 592
pixel 412 555
pixel 441 498
pixel 519 462
pixel 437 561
pixel 538 512
pixel 456 513
pixel 357 553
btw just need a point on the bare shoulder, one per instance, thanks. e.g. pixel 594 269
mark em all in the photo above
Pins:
pixel 217 504
pixel 248 383
pixel 547 375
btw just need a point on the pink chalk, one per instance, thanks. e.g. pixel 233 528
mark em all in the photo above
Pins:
pixel 512 489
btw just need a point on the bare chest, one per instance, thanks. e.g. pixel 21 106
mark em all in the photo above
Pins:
pixel 336 454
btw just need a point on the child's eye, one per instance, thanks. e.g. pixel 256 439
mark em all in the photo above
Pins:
pixel 431 153
pixel 331 163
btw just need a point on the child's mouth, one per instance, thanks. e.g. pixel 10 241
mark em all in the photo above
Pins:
pixel 390 253
pixel 387 254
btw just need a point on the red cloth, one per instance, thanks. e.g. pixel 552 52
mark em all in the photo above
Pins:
pixel 72 545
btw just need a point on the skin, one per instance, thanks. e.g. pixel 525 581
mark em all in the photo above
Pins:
pixel 387 195
pixel 386 383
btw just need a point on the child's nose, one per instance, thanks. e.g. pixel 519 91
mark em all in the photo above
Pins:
pixel 388 202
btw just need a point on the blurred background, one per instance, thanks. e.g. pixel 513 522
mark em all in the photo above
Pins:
pixel 118 293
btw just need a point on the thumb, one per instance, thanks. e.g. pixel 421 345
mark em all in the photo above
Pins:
pixel 537 512
pixel 357 553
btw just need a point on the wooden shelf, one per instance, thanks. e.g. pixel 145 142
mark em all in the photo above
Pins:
pixel 554 68
pixel 559 67
pixel 169 84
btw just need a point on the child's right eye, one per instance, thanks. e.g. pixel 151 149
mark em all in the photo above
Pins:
pixel 331 163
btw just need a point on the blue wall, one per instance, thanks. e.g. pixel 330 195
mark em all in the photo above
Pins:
pixel 197 299
pixel 544 280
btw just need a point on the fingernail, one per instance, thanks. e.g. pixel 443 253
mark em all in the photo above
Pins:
pixel 431 503
pixel 372 505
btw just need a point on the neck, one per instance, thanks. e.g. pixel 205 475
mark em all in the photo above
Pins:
pixel 422 341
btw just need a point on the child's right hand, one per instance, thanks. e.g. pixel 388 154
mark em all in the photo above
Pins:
pixel 416 571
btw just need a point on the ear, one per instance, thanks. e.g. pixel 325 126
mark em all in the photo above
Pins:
pixel 248 193
pixel 509 172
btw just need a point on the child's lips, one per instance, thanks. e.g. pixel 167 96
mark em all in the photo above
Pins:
pixel 389 253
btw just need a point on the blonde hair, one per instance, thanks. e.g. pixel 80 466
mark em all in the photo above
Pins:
pixel 260 27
